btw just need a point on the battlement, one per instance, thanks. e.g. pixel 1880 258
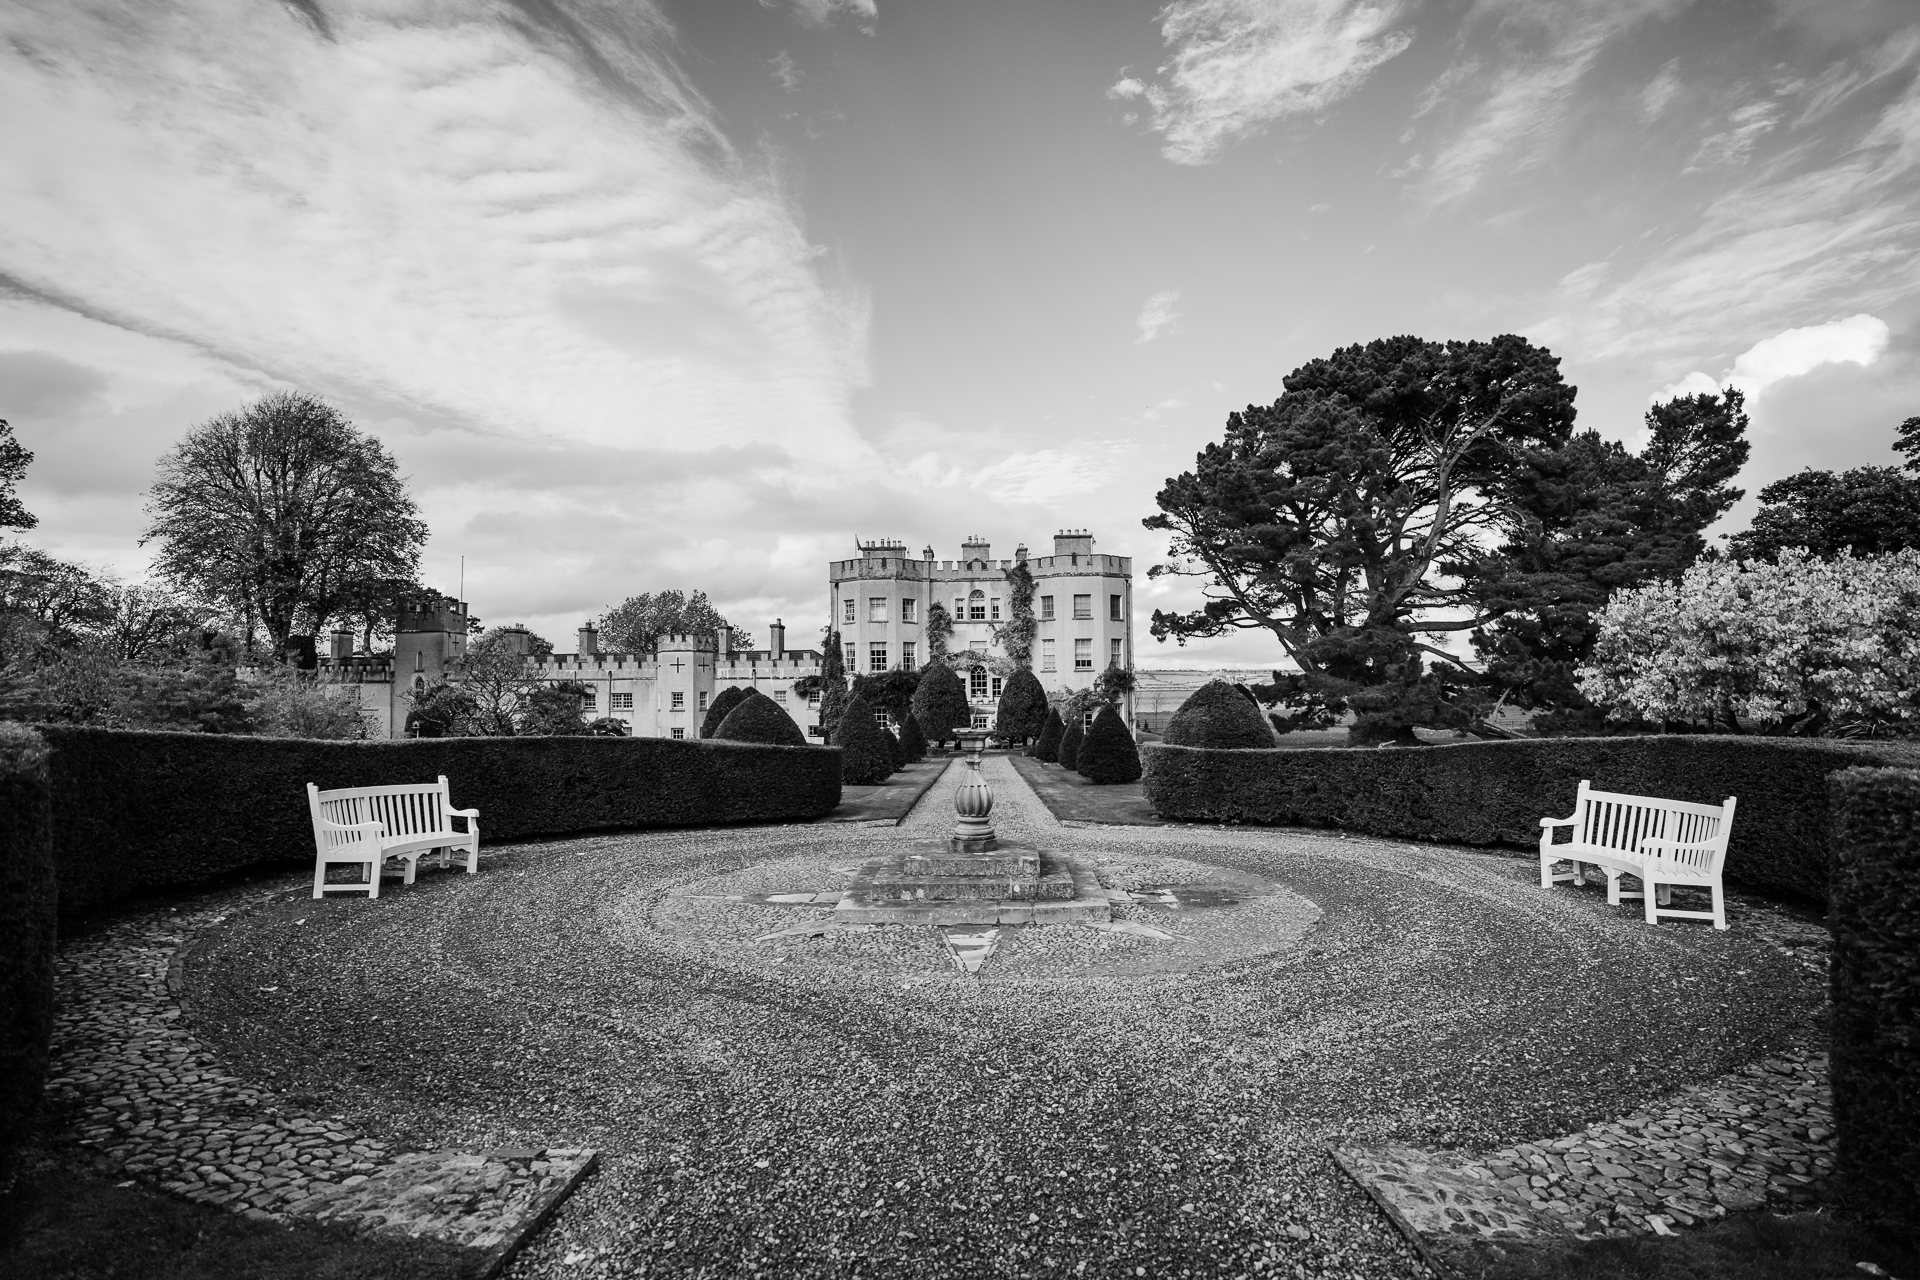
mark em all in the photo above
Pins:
pixel 881 547
pixel 676 642
pixel 434 613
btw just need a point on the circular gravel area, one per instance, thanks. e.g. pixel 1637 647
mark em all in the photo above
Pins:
pixel 1092 1103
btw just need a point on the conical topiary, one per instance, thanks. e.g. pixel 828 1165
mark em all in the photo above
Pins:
pixel 940 703
pixel 1218 716
pixel 1048 747
pixel 728 699
pixel 1069 751
pixel 863 748
pixel 896 756
pixel 1023 708
pixel 1108 753
pixel 913 743
pixel 758 718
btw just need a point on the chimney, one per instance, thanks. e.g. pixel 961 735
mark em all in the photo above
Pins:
pixel 723 640
pixel 976 548
pixel 777 638
pixel 342 645
pixel 927 555
pixel 589 640
pixel 1020 554
pixel 1073 542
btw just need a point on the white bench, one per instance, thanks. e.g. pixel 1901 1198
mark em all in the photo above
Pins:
pixel 368 825
pixel 1661 843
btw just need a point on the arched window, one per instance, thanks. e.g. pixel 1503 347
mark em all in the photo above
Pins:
pixel 419 683
pixel 977 683
pixel 977 607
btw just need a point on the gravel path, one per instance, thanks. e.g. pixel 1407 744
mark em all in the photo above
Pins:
pixel 1096 1104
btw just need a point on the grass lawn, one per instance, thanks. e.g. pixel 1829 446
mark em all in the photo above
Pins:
pixel 60 1224
pixel 1745 1246
pixel 1071 798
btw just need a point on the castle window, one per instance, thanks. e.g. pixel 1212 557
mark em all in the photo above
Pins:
pixel 620 702
pixel 813 699
pixel 679 701
pixel 703 699
pixel 848 612
pixel 993 608
pixel 876 657
pixel 1046 608
pixel 977 607
pixel 679 733
pixel 1113 652
pixel 877 609
pixel 1113 608
pixel 589 700
pixel 779 695
pixel 1083 654
pixel 996 688
pixel 909 611
pixel 1083 606
pixel 977 683
pixel 1046 656
pixel 906 655
pixel 959 609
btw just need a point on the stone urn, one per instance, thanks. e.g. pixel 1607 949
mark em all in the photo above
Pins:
pixel 973 800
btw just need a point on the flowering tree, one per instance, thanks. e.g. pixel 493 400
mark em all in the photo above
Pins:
pixel 1798 646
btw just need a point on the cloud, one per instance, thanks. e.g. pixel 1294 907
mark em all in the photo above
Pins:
pixel 1237 66
pixel 785 72
pixel 1735 143
pixel 818 13
pixel 1660 91
pixel 1157 316
pixel 1858 340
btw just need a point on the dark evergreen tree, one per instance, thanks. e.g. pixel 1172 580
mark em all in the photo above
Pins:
pixel 1023 708
pixel 896 754
pixel 863 760
pixel 717 711
pixel 1220 716
pixel 1047 749
pixel 940 703
pixel 1108 753
pixel 833 689
pixel 1069 750
pixel 1867 511
pixel 913 743
pixel 758 718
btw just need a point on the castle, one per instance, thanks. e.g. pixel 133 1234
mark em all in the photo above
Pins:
pixel 879 603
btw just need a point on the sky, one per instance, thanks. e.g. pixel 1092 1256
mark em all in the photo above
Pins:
pixel 697 293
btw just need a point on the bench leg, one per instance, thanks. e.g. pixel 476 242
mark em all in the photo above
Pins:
pixel 1651 896
pixel 1719 907
pixel 320 878
pixel 473 857
pixel 374 868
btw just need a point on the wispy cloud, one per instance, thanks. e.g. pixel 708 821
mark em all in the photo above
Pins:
pixel 785 71
pixel 1157 316
pixel 818 13
pixel 1745 126
pixel 1237 66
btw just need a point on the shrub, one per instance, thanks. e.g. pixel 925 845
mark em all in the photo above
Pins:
pixel 1496 792
pixel 863 751
pixel 723 704
pixel 896 756
pixel 757 718
pixel 27 903
pixel 555 709
pixel 1048 747
pixel 1023 707
pixel 1876 990
pixel 1070 740
pixel 609 727
pixel 1218 716
pixel 1108 753
pixel 940 703
pixel 913 743
pixel 138 811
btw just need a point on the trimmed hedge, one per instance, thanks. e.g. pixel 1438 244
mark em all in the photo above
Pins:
pixel 1048 747
pixel 757 718
pixel 27 909
pixel 722 706
pixel 1496 792
pixel 1220 716
pixel 1108 754
pixel 863 749
pixel 1876 991
pixel 1023 708
pixel 913 743
pixel 136 811
pixel 1068 752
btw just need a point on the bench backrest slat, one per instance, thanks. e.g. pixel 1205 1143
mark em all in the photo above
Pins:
pixel 409 809
pixel 1616 820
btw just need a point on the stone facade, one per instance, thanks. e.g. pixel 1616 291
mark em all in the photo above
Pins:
pixel 1082 600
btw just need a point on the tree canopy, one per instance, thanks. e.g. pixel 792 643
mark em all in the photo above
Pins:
pixel 633 625
pixel 940 703
pixel 14 460
pixel 283 514
pixel 1023 707
pixel 1864 512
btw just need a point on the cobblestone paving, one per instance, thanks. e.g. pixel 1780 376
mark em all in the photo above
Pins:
pixel 143 1092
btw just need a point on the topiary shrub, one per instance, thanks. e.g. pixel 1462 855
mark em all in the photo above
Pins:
pixel 1047 748
pixel 1876 991
pixel 1108 753
pixel 1022 713
pixel 1497 792
pixel 722 707
pixel 896 755
pixel 863 747
pixel 940 703
pixel 913 743
pixel 27 910
pixel 1070 740
pixel 757 718
pixel 1220 717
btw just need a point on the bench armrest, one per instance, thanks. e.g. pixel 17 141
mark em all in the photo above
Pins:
pixel 1560 822
pixel 462 813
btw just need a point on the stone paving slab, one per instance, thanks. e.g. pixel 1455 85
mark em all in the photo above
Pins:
pixel 138 1089
pixel 1759 1136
